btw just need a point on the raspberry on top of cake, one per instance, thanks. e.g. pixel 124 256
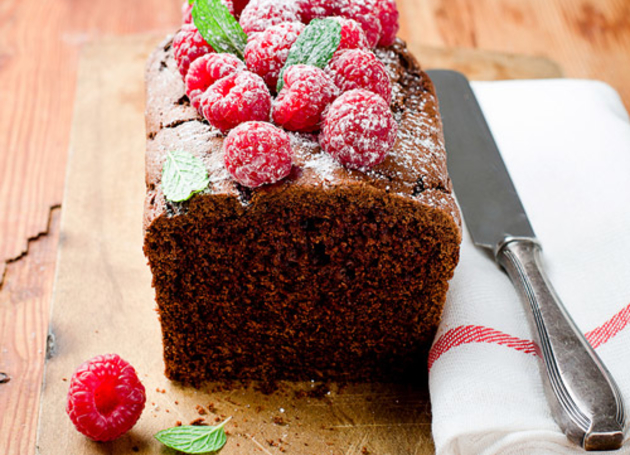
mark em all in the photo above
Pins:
pixel 299 219
pixel 308 54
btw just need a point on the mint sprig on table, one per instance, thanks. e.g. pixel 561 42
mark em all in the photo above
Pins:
pixel 183 175
pixel 194 439
pixel 219 28
pixel 315 46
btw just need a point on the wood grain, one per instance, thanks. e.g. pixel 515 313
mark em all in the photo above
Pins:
pixel 40 41
pixel 485 65
pixel 589 38
pixel 103 300
pixel 24 308
pixel 39 47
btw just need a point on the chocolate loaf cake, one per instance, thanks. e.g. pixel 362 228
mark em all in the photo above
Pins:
pixel 331 273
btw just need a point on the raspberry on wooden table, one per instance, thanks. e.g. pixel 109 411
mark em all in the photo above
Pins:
pixel 187 10
pixel 307 91
pixel 359 129
pixel 188 46
pixel 352 34
pixel 234 99
pixel 105 398
pixel 208 69
pixel 364 12
pixel 259 15
pixel 356 68
pixel 387 14
pixel 257 153
pixel 267 51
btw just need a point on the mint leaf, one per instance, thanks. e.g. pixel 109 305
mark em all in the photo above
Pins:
pixel 183 175
pixel 190 2
pixel 315 46
pixel 219 28
pixel 194 439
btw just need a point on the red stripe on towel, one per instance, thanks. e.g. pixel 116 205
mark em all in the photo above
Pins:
pixel 465 334
pixel 478 334
pixel 609 329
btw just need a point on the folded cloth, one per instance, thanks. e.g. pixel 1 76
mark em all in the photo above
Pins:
pixel 566 144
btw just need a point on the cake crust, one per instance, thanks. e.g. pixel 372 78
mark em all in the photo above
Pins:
pixel 331 273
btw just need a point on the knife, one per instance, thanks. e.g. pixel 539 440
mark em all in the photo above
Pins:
pixel 583 397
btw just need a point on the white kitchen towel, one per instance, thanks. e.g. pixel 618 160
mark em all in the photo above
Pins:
pixel 566 144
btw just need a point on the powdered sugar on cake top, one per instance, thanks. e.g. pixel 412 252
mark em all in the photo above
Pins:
pixel 415 166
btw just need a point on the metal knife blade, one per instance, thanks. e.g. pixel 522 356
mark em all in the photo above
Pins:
pixel 583 397
pixel 491 207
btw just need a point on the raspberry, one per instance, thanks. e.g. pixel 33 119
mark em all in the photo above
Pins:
pixel 356 68
pixel 364 12
pixel 257 153
pixel 306 93
pixel 352 35
pixel 188 46
pixel 208 69
pixel 259 15
pixel 235 99
pixel 359 129
pixel 316 9
pixel 105 398
pixel 388 16
pixel 239 5
pixel 187 13
pixel 187 10
pixel 266 52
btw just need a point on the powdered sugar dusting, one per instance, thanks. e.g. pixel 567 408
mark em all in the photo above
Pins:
pixel 307 92
pixel 415 167
pixel 217 171
pixel 352 34
pixel 323 165
pixel 266 52
pixel 391 60
pixel 188 45
pixel 357 68
pixel 257 153
pixel 259 15
pixel 359 129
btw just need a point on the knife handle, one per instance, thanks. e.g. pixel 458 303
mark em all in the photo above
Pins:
pixel 583 396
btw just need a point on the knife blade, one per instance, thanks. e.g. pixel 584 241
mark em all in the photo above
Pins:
pixel 584 398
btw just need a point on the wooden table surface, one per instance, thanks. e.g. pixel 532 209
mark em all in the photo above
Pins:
pixel 40 42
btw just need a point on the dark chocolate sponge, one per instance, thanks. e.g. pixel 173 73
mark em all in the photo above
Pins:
pixel 329 274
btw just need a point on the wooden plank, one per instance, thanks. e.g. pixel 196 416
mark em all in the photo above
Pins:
pixel 41 40
pixel 485 65
pixel 24 308
pixel 103 302
pixel 588 39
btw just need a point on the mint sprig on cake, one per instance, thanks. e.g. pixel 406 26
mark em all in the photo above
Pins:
pixel 218 27
pixel 315 46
